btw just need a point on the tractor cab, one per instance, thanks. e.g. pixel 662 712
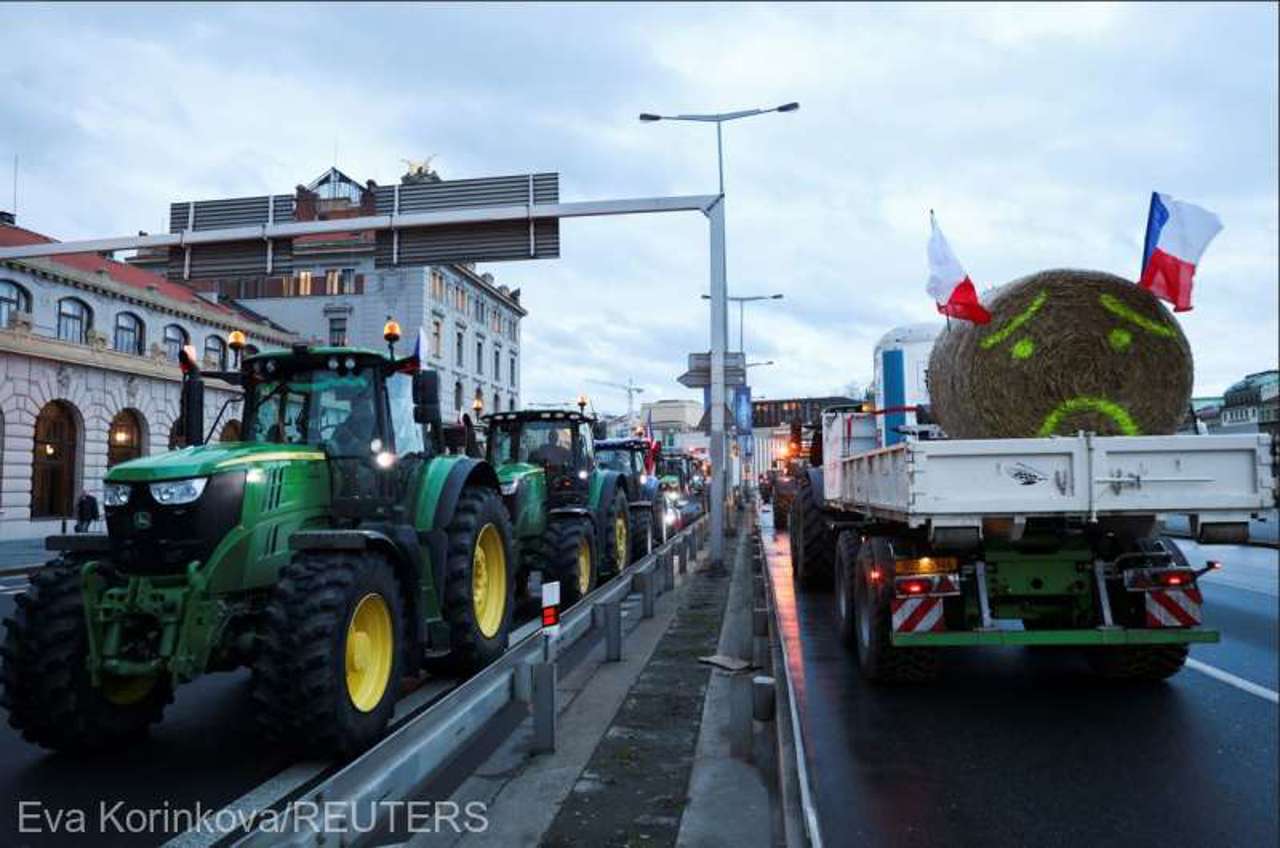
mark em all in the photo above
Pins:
pixel 557 442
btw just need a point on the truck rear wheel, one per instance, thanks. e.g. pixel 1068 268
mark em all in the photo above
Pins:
pixel 878 660
pixel 479 596
pixel 846 563
pixel 572 559
pixel 327 675
pixel 44 681
pixel 1137 662
pixel 811 542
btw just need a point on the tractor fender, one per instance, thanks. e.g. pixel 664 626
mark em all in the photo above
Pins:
pixel 608 488
pixel 815 483
pixel 466 471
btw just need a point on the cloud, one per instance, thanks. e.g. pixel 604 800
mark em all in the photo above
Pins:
pixel 1036 132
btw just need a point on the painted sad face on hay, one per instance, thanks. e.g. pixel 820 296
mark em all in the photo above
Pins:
pixel 1065 351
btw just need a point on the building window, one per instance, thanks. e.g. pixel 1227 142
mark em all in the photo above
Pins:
pixel 338 332
pixel 497 364
pixel 175 338
pixel 458 349
pixel 457 398
pixel 13 299
pixel 497 403
pixel 511 404
pixel 511 375
pixel 75 319
pixel 437 338
pixel 304 283
pixel 130 336
pixel 124 438
pixel 331 281
pixel 480 356
pixel 348 280
pixel 437 286
pixel 54 463
pixel 215 353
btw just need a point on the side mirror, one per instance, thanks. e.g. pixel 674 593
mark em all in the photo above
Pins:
pixel 426 398
pixel 599 430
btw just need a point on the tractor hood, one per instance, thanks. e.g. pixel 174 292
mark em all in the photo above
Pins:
pixel 515 471
pixel 205 460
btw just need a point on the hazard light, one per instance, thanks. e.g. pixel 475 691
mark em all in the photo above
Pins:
pixel 927 565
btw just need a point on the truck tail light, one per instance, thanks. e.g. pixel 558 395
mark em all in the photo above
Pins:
pixel 933 586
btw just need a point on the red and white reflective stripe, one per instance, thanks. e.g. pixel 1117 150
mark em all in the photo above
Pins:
pixel 917 615
pixel 551 607
pixel 1174 607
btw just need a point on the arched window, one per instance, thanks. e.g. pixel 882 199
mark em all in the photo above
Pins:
pixel 230 431
pixel 75 319
pixel 131 337
pixel 174 339
pixel 215 353
pixel 53 470
pixel 124 439
pixel 13 298
pixel 457 399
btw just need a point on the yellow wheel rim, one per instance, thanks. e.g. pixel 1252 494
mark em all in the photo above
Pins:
pixel 584 566
pixel 620 538
pixel 123 691
pixel 489 581
pixel 371 646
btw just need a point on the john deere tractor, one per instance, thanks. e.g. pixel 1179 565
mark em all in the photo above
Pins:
pixel 333 550
pixel 570 517
pixel 635 459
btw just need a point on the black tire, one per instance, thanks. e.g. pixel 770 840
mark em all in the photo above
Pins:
pixel 470 648
pixel 616 559
pixel 878 660
pixel 563 542
pixel 781 514
pixel 656 521
pixel 847 545
pixel 811 542
pixel 44 682
pixel 1137 662
pixel 300 672
pixel 641 534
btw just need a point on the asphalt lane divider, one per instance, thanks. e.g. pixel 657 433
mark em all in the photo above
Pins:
pixel 1232 680
pixel 394 768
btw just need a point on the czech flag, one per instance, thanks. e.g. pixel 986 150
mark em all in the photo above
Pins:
pixel 949 284
pixel 420 348
pixel 1177 235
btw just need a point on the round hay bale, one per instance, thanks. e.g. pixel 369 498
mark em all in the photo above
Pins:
pixel 1065 351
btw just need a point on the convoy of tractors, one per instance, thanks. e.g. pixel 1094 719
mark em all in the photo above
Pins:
pixel 348 540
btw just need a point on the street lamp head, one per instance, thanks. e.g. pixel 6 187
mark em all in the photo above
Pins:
pixel 649 116
pixel 789 107
pixel 775 297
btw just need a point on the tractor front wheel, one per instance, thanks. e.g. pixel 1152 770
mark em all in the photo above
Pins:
pixel 44 678
pixel 572 560
pixel 617 534
pixel 479 583
pixel 327 673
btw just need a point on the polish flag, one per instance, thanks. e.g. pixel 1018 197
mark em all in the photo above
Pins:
pixel 949 284
pixel 1177 235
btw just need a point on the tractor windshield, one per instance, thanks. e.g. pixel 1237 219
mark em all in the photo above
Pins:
pixel 616 459
pixel 547 443
pixel 315 407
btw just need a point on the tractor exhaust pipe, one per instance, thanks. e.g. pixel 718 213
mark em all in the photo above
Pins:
pixel 191 401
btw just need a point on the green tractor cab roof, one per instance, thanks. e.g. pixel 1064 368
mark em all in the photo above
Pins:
pixel 538 415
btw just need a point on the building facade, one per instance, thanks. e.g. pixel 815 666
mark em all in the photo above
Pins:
pixel 89 375
pixel 670 418
pixel 334 294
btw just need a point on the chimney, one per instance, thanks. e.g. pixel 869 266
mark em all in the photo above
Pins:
pixel 515 295
pixel 8 219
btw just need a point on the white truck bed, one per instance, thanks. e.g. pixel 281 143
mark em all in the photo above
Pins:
pixel 958 483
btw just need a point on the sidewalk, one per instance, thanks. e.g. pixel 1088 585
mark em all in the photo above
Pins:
pixel 642 756
pixel 22 553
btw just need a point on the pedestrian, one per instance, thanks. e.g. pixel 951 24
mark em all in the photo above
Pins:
pixel 86 512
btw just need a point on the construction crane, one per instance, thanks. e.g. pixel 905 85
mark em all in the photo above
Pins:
pixel 632 390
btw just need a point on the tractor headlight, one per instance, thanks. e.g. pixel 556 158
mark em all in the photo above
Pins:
pixel 176 492
pixel 116 494
pixel 671 497
pixel 644 478
pixel 508 489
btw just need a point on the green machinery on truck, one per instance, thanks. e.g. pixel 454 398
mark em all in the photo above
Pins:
pixel 333 550
pixel 937 543
pixel 570 518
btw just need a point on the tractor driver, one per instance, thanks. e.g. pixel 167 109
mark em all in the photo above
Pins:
pixel 552 452
pixel 353 436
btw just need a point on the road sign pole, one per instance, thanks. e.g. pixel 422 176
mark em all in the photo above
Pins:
pixel 719 342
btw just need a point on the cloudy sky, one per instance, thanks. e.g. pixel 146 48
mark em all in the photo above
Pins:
pixel 1037 133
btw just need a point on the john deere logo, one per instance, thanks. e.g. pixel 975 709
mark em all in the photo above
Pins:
pixel 142 520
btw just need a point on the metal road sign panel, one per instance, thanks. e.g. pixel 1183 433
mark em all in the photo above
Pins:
pixel 699 374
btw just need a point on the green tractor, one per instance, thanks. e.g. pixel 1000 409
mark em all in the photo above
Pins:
pixel 334 550
pixel 571 518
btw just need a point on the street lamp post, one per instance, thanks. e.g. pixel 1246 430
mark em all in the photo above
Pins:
pixel 719 319
pixel 742 301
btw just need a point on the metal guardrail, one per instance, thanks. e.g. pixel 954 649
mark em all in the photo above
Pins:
pixel 396 766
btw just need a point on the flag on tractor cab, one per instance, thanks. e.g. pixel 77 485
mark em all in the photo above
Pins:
pixel 1177 235
pixel 949 283
pixel 420 349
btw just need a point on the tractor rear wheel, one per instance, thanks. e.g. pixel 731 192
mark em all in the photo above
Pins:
pixel 44 680
pixel 642 536
pixel 846 564
pixel 571 559
pixel 617 534
pixel 479 590
pixel 327 674
pixel 878 660
pixel 811 542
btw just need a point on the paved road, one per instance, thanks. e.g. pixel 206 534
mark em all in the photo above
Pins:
pixel 1021 747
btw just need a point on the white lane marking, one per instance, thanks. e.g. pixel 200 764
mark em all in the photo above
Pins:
pixel 1238 682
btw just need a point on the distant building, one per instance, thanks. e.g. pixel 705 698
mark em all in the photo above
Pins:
pixel 1250 402
pixel 89 374
pixel 771 420
pixel 671 417
pixel 334 294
